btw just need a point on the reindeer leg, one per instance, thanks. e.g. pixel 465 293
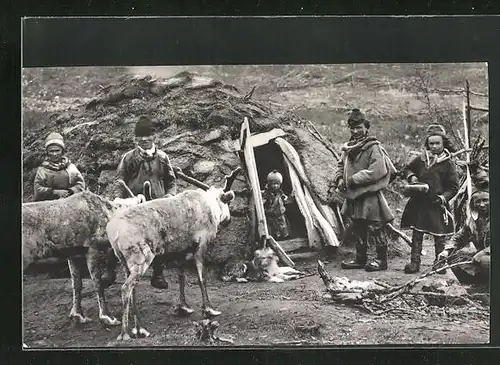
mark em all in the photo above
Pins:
pixel 127 289
pixel 208 311
pixel 136 267
pixel 76 281
pixel 137 331
pixel 93 263
pixel 183 309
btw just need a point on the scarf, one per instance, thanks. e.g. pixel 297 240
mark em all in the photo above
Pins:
pixel 354 146
pixel 431 159
pixel 56 166
pixel 149 154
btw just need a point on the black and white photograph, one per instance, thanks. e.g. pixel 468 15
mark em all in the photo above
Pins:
pixel 255 205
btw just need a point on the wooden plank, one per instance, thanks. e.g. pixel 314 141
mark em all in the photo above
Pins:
pixel 254 182
pixel 293 244
pixel 312 232
pixel 292 156
pixel 285 259
pixel 263 138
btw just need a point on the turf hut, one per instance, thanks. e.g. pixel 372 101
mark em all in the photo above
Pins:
pixel 199 125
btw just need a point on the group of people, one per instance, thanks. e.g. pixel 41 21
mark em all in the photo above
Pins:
pixel 364 170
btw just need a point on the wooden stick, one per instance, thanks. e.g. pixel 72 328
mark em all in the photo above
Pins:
pixel 190 180
pixel 279 251
pixel 323 140
pixel 479 108
pixel 400 234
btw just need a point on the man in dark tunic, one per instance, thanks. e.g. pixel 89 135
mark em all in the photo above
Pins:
pixel 364 169
pixel 428 212
pixel 147 163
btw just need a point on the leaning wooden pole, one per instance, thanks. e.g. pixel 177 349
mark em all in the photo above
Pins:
pixel 468 180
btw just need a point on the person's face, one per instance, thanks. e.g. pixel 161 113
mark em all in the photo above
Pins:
pixel 358 131
pixel 435 144
pixel 274 186
pixel 482 203
pixel 145 142
pixel 54 153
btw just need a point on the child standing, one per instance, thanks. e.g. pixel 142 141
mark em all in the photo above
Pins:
pixel 274 206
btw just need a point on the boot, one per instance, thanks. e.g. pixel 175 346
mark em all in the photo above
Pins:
pixel 438 248
pixel 157 279
pixel 381 247
pixel 416 251
pixel 357 263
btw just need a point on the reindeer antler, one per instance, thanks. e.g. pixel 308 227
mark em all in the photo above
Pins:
pixel 230 179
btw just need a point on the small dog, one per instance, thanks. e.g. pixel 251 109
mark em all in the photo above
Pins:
pixel 263 267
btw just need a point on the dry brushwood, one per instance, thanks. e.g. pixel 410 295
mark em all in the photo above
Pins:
pixel 374 292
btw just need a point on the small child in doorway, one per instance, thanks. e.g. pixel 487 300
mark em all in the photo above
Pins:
pixel 275 202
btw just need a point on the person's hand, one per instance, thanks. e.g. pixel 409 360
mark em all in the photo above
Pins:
pixel 413 179
pixel 341 184
pixel 61 193
pixel 439 200
pixel 443 255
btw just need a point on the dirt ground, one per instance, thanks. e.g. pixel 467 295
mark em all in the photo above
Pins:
pixel 264 314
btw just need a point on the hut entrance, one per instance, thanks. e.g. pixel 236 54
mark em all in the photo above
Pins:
pixel 269 157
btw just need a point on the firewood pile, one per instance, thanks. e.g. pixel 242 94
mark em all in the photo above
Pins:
pixel 419 297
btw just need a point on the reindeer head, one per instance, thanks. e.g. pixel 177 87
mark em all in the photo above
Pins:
pixel 226 195
pixel 221 195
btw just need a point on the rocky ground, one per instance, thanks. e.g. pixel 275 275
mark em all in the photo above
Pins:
pixel 398 98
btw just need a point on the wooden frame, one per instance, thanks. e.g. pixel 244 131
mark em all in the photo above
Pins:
pixel 247 147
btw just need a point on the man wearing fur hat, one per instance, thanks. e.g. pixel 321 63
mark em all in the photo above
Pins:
pixel 147 163
pixel 428 211
pixel 57 177
pixel 364 169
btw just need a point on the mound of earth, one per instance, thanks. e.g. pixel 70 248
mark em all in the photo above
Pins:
pixel 198 120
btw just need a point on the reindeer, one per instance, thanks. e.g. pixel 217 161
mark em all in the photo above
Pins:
pixel 74 228
pixel 184 225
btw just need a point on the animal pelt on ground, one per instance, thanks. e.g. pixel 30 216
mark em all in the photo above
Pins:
pixel 263 267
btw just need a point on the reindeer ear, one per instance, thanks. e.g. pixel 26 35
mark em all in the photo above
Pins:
pixel 227 197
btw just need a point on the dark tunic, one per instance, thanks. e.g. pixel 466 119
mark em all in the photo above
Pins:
pixel 424 211
pixel 135 169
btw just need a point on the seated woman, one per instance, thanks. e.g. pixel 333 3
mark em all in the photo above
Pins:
pixel 56 177
pixel 475 230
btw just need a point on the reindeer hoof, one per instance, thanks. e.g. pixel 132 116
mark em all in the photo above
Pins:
pixel 110 321
pixel 184 310
pixel 123 337
pixel 210 312
pixel 141 333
